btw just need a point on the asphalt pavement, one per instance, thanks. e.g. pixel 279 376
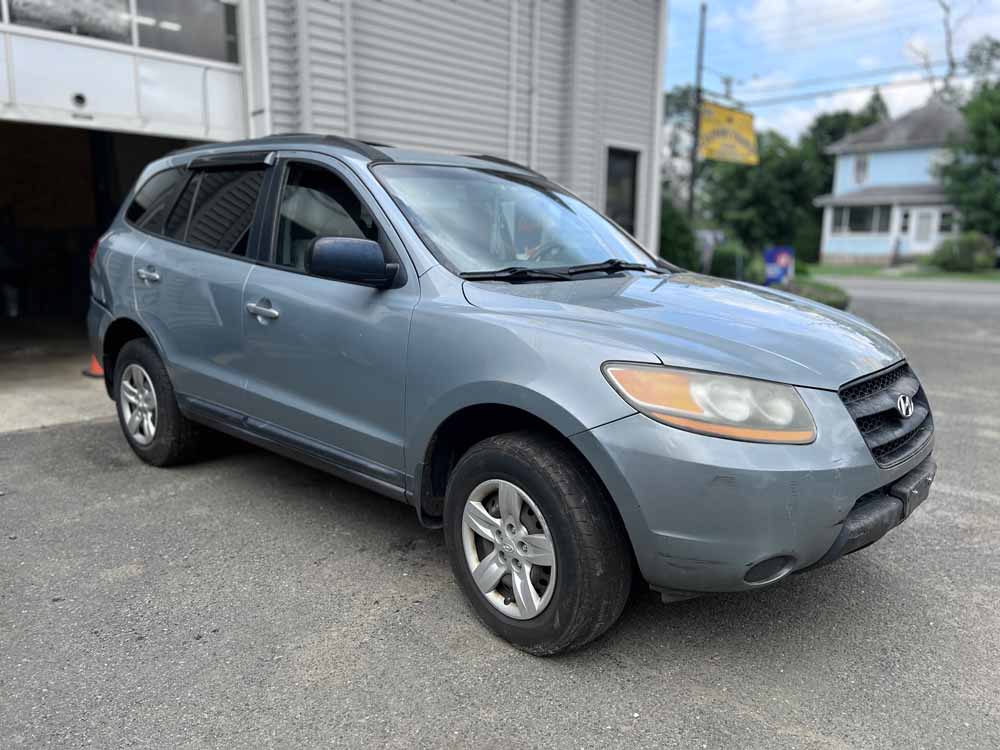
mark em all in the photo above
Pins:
pixel 250 602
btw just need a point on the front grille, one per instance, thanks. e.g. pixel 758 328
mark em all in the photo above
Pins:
pixel 871 401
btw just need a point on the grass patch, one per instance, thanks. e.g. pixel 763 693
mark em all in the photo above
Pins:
pixel 905 273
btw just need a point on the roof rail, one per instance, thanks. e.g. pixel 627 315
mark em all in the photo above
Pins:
pixel 360 147
pixel 505 162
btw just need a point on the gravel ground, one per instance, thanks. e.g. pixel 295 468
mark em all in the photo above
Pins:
pixel 251 602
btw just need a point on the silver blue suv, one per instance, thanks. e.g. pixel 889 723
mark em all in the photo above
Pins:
pixel 464 336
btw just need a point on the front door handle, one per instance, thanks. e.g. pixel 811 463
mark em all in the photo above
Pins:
pixel 262 310
pixel 149 275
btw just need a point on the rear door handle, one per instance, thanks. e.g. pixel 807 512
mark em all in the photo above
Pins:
pixel 262 310
pixel 149 275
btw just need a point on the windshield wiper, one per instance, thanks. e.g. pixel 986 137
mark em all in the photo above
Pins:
pixel 611 265
pixel 517 273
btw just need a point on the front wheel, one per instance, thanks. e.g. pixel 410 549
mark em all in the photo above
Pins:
pixel 535 543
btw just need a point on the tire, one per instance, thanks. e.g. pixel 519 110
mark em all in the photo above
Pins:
pixel 174 439
pixel 585 591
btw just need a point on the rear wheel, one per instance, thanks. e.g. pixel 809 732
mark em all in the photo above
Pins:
pixel 535 543
pixel 147 408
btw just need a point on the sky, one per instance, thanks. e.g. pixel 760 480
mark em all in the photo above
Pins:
pixel 779 48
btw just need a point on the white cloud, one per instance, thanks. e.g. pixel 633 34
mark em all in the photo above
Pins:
pixel 721 21
pixel 794 24
pixel 868 62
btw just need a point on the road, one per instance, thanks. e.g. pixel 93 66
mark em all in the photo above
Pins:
pixel 249 602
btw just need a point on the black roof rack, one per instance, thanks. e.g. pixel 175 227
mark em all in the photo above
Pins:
pixel 505 162
pixel 360 147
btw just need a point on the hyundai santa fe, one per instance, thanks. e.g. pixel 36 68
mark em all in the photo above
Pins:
pixel 465 336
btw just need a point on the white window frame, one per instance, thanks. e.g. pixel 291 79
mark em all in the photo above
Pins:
pixel 845 229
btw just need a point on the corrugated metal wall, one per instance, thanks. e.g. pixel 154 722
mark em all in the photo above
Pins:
pixel 438 74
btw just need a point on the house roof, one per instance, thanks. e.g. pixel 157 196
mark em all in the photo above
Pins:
pixel 874 196
pixel 929 126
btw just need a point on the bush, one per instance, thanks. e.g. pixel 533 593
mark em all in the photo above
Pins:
pixel 756 270
pixel 970 251
pixel 828 294
pixel 677 241
pixel 730 260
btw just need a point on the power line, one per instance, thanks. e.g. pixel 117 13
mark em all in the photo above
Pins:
pixel 748 89
pixel 830 92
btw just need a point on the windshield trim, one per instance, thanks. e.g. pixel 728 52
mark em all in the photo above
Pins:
pixel 520 176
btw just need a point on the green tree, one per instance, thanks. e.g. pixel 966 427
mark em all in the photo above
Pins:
pixel 972 176
pixel 677 241
pixel 763 204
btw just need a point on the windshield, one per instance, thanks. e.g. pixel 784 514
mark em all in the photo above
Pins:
pixel 477 220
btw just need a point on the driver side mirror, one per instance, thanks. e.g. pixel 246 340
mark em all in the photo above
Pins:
pixel 352 260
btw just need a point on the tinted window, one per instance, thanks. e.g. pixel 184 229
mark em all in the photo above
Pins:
pixel 224 208
pixel 153 199
pixel 216 209
pixel 317 203
pixel 176 227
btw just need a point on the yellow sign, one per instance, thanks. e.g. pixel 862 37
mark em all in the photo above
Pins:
pixel 726 135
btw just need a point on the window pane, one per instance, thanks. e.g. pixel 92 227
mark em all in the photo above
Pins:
pixel 202 28
pixel 101 19
pixel 621 187
pixel 176 227
pixel 150 205
pixel 861 218
pixel 884 214
pixel 317 203
pixel 947 221
pixel 839 219
pixel 224 208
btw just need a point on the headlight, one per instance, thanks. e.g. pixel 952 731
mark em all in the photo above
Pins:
pixel 719 405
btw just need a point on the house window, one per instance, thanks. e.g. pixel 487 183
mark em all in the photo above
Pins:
pixel 946 224
pixel 862 219
pixel 904 223
pixel 860 168
pixel 839 220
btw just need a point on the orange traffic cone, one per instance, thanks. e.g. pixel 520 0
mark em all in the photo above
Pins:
pixel 94 370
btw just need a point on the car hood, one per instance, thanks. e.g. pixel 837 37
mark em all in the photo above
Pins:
pixel 700 322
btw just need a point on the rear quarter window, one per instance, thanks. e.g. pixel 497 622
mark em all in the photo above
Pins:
pixel 149 207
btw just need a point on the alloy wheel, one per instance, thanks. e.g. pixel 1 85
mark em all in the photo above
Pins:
pixel 509 549
pixel 138 403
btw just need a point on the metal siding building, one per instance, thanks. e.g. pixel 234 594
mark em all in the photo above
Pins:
pixel 92 91
pixel 553 84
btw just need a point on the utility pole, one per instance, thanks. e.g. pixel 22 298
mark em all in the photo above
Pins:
pixel 697 108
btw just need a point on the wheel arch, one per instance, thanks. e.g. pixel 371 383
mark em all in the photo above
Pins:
pixel 468 425
pixel 120 331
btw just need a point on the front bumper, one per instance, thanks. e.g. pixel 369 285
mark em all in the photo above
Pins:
pixel 701 511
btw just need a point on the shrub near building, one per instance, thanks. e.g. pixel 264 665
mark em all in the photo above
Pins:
pixel 969 252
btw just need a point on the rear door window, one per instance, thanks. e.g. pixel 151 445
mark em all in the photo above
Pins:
pixel 152 201
pixel 216 209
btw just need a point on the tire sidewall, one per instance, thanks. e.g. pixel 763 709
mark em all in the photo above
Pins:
pixel 550 626
pixel 141 352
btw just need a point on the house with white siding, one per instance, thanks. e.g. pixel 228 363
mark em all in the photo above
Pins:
pixel 886 198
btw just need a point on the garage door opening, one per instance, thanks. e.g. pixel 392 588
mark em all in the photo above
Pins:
pixel 59 190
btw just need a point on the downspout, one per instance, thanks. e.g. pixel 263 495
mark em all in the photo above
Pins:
pixel 536 41
pixel 653 179
pixel 512 84
pixel 305 89
pixel 349 125
pixel 572 114
pixel 264 67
